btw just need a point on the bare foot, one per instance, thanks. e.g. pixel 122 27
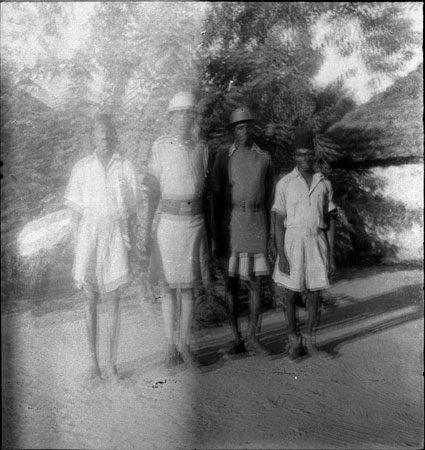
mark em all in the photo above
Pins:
pixel 95 373
pixel 188 357
pixel 294 347
pixel 112 372
pixel 172 357
pixel 237 348
pixel 94 378
pixel 256 348
pixel 313 350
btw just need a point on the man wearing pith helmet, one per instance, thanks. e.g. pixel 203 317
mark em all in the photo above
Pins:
pixel 176 181
pixel 304 231
pixel 242 187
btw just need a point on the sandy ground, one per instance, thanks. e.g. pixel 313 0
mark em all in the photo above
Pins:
pixel 366 393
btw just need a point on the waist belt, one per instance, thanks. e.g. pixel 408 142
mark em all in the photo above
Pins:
pixel 248 208
pixel 189 207
pixel 305 231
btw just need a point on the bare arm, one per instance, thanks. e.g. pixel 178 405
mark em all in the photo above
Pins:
pixel 330 237
pixel 279 232
pixel 218 186
pixel 270 219
pixel 132 230
pixel 153 202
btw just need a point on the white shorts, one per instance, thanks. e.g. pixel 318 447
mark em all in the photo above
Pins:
pixel 307 254
pixel 101 261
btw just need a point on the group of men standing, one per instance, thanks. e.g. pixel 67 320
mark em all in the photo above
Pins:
pixel 254 224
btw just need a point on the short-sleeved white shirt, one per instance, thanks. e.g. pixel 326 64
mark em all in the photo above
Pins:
pixel 110 192
pixel 180 167
pixel 301 206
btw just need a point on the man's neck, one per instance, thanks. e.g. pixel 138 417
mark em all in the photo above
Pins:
pixel 182 136
pixel 246 146
pixel 105 159
pixel 307 175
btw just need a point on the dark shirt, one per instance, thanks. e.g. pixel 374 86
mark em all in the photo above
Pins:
pixel 242 185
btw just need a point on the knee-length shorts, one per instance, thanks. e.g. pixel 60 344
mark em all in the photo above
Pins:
pixel 101 261
pixel 307 254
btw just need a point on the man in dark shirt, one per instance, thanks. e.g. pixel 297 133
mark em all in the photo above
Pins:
pixel 242 191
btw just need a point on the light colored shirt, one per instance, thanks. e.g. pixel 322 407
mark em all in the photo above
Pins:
pixel 180 167
pixel 303 207
pixel 104 192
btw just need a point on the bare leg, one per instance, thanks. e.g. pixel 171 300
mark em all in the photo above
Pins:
pixel 255 290
pixel 187 310
pixel 91 321
pixel 313 310
pixel 233 304
pixel 114 320
pixel 313 314
pixel 291 298
pixel 186 317
pixel 294 347
pixel 168 305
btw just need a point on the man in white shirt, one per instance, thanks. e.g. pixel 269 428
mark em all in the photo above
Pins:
pixel 176 182
pixel 102 193
pixel 304 234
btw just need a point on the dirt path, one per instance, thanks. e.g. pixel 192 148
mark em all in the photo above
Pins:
pixel 368 392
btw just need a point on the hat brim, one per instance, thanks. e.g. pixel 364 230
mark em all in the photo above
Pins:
pixel 241 121
pixel 183 108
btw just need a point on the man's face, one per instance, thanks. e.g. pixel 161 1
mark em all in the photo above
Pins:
pixel 103 140
pixel 243 133
pixel 304 159
pixel 182 121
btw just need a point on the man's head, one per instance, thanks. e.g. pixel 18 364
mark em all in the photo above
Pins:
pixel 183 111
pixel 241 121
pixel 104 133
pixel 304 149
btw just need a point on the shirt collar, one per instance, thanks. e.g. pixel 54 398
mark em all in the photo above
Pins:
pixel 115 156
pixel 317 175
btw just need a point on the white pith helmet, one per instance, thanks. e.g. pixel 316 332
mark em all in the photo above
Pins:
pixel 182 101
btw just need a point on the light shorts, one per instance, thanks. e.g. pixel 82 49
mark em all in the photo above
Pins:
pixel 247 266
pixel 101 261
pixel 307 254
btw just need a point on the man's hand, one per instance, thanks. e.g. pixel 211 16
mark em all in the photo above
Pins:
pixel 135 260
pixel 284 265
pixel 219 255
pixel 147 247
pixel 271 248
pixel 124 232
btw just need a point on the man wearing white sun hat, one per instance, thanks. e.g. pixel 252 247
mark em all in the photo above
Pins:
pixel 176 183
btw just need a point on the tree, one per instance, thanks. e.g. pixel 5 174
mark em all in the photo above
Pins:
pixel 265 52
pixel 263 55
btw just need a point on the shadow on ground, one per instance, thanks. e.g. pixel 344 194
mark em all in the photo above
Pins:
pixel 369 316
